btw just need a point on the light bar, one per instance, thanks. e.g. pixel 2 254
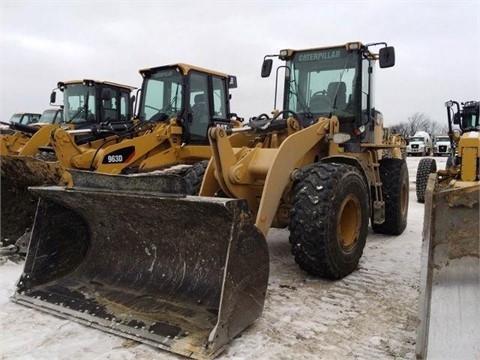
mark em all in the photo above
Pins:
pixel 353 46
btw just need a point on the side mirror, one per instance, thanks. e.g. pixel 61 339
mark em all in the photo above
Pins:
pixel 232 82
pixel 53 97
pixel 131 107
pixel 266 67
pixel 457 119
pixel 387 56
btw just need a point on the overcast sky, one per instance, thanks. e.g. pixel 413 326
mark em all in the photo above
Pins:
pixel 437 45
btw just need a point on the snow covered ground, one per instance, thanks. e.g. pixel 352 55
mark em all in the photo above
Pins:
pixel 370 314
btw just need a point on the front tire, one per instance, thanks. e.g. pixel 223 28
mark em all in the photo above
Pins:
pixel 395 189
pixel 329 220
pixel 425 167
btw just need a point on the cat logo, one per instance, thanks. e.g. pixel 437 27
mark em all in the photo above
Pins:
pixel 324 55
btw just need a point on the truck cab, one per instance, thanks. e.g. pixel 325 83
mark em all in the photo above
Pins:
pixel 419 144
pixel 441 145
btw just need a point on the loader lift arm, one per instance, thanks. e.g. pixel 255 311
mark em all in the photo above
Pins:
pixel 236 168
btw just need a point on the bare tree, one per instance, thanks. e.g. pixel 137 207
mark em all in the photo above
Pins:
pixel 437 128
pixel 401 128
pixel 418 122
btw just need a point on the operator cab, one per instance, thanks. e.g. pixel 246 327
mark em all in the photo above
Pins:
pixel 87 102
pixel 470 116
pixel 196 97
pixel 334 81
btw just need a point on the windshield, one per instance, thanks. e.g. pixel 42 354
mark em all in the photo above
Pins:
pixel 442 138
pixel 16 118
pixel 162 95
pixel 471 121
pixel 24 118
pixel 418 139
pixel 48 117
pixel 79 101
pixel 322 82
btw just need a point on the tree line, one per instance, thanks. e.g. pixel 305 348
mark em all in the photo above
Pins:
pixel 418 121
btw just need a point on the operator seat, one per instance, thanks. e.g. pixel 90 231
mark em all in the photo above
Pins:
pixel 338 89
pixel 200 119
pixel 198 107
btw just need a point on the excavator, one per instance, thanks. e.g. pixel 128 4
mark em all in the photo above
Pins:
pixel 449 307
pixel 197 268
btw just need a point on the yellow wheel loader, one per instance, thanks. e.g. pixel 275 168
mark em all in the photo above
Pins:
pixel 16 141
pixel 177 105
pixel 449 307
pixel 393 138
pixel 197 267
pixel 25 160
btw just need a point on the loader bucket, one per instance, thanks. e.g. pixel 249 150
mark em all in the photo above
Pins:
pixel 185 274
pixel 19 204
pixel 449 307
pixel 28 171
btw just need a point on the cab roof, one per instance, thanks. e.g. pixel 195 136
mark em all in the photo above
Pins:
pixel 184 68
pixel 107 83
pixel 353 45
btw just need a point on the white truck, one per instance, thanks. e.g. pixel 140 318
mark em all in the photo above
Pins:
pixel 419 144
pixel 441 145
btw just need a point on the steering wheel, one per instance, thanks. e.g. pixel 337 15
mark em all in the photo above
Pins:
pixel 318 93
pixel 320 101
pixel 161 115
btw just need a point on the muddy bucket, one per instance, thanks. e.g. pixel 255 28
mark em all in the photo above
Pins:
pixel 185 274
pixel 449 307
pixel 19 204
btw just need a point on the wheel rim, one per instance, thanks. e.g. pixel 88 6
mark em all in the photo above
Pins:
pixel 349 222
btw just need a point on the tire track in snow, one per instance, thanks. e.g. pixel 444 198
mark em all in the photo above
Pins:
pixel 363 316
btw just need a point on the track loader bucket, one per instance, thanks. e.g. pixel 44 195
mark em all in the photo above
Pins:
pixel 185 274
pixel 449 307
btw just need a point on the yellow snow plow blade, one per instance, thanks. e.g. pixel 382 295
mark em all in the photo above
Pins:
pixel 185 274
pixel 449 306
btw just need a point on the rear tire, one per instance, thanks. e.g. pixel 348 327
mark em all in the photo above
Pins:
pixel 194 177
pixel 395 189
pixel 329 220
pixel 425 167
